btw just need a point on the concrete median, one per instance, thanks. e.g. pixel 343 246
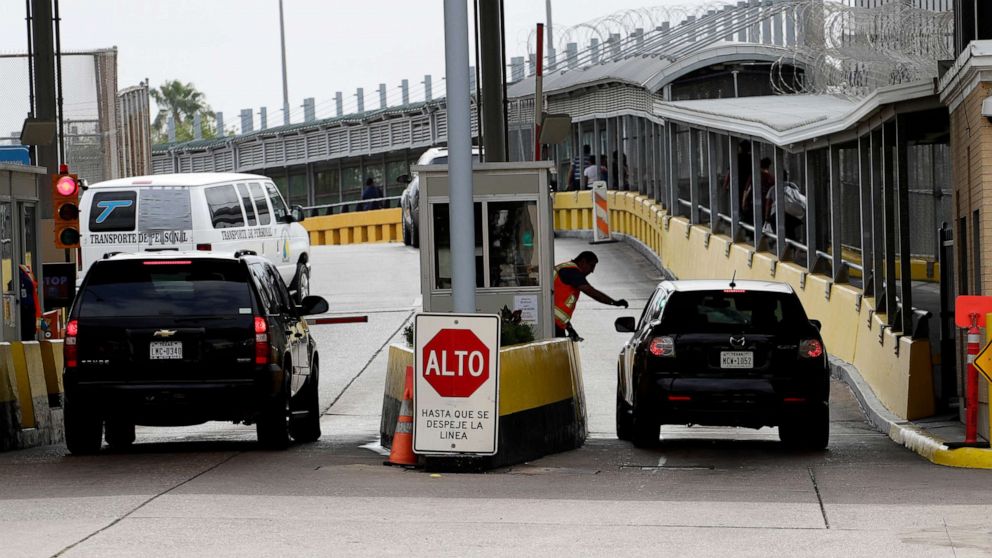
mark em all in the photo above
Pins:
pixel 27 417
pixel 379 225
pixel 542 406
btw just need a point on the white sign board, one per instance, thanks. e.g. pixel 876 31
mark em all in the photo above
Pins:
pixel 456 384
pixel 527 305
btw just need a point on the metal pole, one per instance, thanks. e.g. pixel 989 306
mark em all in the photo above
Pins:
pixel 460 213
pixel 285 84
pixel 539 93
pixel 490 47
pixel 551 39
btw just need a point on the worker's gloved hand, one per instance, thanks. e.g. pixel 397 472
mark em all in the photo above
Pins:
pixel 621 302
pixel 573 335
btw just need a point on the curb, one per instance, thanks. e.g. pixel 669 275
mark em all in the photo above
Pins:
pixel 904 432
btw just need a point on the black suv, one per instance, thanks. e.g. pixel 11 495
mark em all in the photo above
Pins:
pixel 723 354
pixel 176 339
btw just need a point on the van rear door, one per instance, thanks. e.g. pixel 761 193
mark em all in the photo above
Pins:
pixel 134 219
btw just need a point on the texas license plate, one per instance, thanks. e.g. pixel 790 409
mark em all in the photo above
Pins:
pixel 165 350
pixel 736 359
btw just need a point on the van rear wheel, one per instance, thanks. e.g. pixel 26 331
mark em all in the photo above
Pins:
pixel 302 282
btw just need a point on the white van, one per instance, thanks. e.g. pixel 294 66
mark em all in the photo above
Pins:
pixel 220 212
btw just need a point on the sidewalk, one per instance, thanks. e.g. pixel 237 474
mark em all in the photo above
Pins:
pixel 927 437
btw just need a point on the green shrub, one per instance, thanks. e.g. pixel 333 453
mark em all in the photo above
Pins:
pixel 513 331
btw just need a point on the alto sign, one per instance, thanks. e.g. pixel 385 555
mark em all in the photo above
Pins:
pixel 456 387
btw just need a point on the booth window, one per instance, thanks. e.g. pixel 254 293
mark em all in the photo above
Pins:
pixel 442 243
pixel 513 250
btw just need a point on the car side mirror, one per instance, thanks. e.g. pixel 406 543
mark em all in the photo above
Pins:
pixel 313 305
pixel 297 214
pixel 817 324
pixel 625 324
pixel 404 179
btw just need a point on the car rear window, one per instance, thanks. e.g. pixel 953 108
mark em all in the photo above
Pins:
pixel 165 287
pixel 732 311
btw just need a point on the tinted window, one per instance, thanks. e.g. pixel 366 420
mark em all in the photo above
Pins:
pixel 225 207
pixel 184 288
pixel 113 211
pixel 265 290
pixel 260 204
pixel 278 205
pixel 282 293
pixel 739 311
pixel 246 201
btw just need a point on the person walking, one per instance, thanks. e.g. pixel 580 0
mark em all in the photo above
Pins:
pixel 371 192
pixel 577 165
pixel 569 283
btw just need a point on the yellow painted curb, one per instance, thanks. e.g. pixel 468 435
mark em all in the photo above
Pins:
pixel 971 458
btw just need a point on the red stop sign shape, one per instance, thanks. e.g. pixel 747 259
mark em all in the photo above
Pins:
pixel 456 363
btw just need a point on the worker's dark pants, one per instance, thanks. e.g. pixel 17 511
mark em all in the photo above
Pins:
pixel 560 332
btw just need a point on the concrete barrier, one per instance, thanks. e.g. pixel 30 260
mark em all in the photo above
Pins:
pixel 898 369
pixel 379 225
pixel 542 406
pixel 26 416
pixel 51 358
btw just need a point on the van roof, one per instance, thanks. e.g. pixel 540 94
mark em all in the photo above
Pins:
pixel 183 179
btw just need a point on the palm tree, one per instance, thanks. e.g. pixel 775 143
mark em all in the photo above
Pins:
pixel 181 101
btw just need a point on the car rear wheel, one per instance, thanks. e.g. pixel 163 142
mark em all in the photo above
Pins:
pixel 272 427
pixel 305 428
pixel 625 419
pixel 407 234
pixel 809 431
pixel 83 425
pixel 119 433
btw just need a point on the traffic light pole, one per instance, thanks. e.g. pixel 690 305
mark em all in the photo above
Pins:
pixel 44 86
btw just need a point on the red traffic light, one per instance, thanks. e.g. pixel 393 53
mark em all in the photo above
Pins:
pixel 67 185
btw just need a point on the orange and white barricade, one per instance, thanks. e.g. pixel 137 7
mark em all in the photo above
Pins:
pixel 601 213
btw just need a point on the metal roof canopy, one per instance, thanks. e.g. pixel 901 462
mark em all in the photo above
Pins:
pixel 787 119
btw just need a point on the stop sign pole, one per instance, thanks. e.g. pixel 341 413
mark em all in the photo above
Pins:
pixel 456 384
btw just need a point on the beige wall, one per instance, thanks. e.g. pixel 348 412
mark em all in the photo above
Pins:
pixel 971 152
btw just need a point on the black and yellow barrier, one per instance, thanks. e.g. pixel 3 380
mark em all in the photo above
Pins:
pixel 541 401
pixel 30 393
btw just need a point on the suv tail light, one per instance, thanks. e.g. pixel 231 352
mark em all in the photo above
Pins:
pixel 70 351
pixel 810 348
pixel 261 341
pixel 662 347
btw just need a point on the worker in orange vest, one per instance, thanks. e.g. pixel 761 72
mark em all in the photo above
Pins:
pixel 570 282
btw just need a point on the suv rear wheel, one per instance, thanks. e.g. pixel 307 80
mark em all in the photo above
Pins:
pixel 810 431
pixel 272 427
pixel 119 432
pixel 625 418
pixel 306 427
pixel 83 425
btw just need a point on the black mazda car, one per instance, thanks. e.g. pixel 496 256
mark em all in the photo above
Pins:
pixel 175 339
pixel 723 353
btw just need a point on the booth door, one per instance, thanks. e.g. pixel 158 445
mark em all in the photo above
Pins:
pixel 8 274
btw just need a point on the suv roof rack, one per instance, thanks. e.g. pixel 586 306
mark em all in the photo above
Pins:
pixel 161 249
pixel 242 253
pixel 108 255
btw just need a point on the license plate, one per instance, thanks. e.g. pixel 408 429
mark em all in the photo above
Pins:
pixel 165 350
pixel 736 359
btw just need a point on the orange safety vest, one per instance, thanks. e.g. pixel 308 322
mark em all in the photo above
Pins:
pixel 565 296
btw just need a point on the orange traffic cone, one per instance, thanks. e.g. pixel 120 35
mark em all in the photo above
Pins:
pixel 402 451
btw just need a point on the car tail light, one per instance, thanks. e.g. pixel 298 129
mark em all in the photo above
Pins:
pixel 261 341
pixel 205 247
pixel 679 398
pixel 810 348
pixel 662 347
pixel 70 350
pixel 794 399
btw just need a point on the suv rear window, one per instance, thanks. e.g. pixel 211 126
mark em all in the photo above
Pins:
pixel 732 311
pixel 153 288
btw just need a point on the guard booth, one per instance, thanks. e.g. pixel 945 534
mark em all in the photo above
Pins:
pixel 514 240
pixel 20 261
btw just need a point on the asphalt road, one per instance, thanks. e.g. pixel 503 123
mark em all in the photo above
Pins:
pixel 208 491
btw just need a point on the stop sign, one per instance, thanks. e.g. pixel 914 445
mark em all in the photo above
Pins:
pixel 456 362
